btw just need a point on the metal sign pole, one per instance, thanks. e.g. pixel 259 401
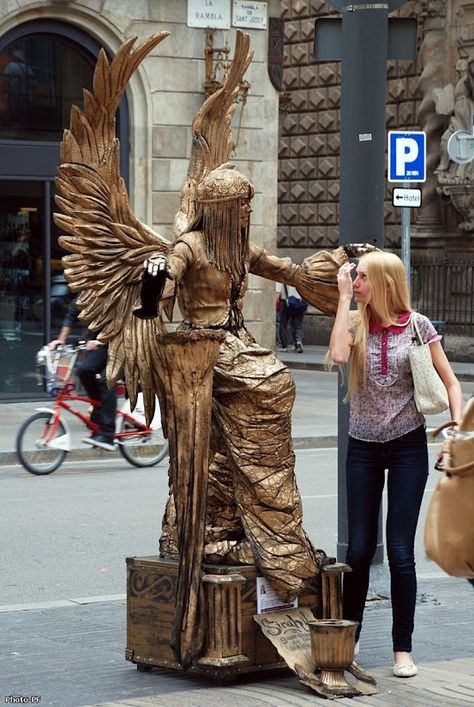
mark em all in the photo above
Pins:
pixel 363 39
pixel 406 164
pixel 362 172
pixel 405 236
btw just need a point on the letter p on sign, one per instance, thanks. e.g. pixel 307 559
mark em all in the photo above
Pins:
pixel 406 152
pixel 406 156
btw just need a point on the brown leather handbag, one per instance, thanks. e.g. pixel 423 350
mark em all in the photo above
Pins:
pixel 449 524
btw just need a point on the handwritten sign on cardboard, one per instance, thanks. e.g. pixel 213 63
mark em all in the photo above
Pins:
pixel 289 633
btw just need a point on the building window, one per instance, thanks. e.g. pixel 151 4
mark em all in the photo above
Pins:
pixel 40 78
pixel 44 66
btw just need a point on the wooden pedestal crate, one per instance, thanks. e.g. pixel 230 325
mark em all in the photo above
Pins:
pixel 234 642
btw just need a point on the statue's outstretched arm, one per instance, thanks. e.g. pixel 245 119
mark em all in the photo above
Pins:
pixel 315 279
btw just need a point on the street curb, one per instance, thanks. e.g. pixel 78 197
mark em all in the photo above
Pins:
pixel 76 455
pixel 307 366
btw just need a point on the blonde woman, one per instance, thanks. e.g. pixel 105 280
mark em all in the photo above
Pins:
pixel 385 432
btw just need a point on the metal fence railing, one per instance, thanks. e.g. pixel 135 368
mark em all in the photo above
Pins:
pixel 442 288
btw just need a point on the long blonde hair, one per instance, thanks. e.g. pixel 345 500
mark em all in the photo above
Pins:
pixel 389 297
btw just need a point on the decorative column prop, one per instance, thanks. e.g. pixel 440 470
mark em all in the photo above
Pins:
pixel 223 608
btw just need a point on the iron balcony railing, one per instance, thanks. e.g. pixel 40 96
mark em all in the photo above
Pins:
pixel 442 288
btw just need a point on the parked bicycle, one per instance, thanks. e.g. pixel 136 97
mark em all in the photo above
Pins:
pixel 44 439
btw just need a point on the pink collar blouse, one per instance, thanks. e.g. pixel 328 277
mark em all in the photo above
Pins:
pixel 383 408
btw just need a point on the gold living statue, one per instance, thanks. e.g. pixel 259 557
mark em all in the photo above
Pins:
pixel 247 507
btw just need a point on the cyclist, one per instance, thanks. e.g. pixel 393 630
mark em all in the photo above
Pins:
pixel 93 364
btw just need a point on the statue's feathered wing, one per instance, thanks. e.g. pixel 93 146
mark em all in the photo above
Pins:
pixel 108 244
pixel 212 143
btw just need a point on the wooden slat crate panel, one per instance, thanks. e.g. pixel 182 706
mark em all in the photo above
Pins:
pixel 151 592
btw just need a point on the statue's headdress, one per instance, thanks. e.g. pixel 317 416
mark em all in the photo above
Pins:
pixel 218 199
pixel 224 184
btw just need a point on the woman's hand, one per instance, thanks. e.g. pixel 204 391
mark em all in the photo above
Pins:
pixel 439 460
pixel 344 280
pixel 341 337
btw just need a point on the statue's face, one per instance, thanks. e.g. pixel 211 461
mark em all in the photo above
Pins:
pixel 245 211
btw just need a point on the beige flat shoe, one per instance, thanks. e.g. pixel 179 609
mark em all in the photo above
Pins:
pixel 407 670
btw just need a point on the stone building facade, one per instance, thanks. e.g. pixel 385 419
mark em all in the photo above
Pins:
pixel 162 98
pixel 421 95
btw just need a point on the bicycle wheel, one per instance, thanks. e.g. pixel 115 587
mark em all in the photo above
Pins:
pixel 32 451
pixel 142 450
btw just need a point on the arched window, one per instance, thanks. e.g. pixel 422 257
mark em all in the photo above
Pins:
pixel 41 76
pixel 44 66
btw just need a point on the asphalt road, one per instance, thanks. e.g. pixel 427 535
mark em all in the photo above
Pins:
pixel 67 535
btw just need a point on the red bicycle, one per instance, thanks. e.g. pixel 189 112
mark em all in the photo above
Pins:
pixel 44 439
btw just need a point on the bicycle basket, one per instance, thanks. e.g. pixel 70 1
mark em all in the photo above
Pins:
pixel 55 367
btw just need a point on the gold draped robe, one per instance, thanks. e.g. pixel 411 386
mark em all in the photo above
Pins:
pixel 254 510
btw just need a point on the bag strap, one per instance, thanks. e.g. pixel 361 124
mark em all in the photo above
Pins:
pixel 451 423
pixel 462 470
pixel 414 329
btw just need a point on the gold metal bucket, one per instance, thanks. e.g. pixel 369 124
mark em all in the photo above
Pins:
pixel 332 648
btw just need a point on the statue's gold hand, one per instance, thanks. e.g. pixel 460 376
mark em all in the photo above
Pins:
pixel 155 274
pixel 356 250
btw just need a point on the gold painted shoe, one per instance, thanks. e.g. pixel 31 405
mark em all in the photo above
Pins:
pixel 407 670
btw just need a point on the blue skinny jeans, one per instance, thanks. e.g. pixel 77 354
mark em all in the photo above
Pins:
pixel 406 459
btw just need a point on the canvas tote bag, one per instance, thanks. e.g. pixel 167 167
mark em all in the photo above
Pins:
pixel 449 524
pixel 431 396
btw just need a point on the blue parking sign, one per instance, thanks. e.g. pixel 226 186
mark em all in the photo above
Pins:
pixel 406 156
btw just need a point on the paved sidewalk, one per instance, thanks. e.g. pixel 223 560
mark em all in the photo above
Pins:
pixel 73 655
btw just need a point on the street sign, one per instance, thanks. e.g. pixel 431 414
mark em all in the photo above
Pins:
pixel 461 146
pixel 252 15
pixel 406 197
pixel 406 156
pixel 214 14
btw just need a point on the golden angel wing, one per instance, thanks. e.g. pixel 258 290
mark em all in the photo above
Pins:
pixel 212 133
pixel 106 242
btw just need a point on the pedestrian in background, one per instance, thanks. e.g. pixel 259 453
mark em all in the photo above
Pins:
pixel 292 311
pixel 20 82
pixel 385 432
pixel 91 373
pixel 278 288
